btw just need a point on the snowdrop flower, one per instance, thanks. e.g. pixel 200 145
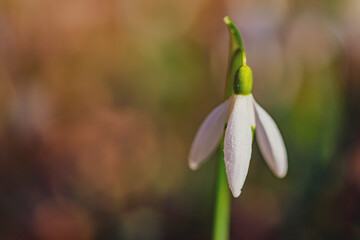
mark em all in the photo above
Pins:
pixel 239 116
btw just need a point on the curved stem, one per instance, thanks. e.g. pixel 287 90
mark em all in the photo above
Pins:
pixel 222 202
pixel 237 56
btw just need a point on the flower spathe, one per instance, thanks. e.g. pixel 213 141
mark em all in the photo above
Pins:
pixel 241 114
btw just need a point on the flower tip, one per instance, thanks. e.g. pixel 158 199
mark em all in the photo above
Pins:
pixel 227 20
pixel 281 174
pixel 281 171
pixel 236 193
pixel 193 166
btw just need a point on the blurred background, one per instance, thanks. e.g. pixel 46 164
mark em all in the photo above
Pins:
pixel 100 101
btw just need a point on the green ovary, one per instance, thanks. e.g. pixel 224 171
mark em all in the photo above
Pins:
pixel 243 81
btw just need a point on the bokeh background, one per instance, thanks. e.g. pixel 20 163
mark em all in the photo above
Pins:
pixel 100 100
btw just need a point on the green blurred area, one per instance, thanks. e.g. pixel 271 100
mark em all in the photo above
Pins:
pixel 100 100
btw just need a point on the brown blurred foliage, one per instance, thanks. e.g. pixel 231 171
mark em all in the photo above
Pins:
pixel 99 101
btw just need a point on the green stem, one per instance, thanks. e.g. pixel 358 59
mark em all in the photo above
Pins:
pixel 222 202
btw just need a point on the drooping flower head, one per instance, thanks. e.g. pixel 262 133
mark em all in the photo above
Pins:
pixel 239 116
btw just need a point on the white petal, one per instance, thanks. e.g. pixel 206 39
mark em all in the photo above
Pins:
pixel 237 145
pixel 208 136
pixel 250 105
pixel 270 142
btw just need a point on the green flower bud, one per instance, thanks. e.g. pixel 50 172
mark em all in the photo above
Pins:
pixel 243 81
